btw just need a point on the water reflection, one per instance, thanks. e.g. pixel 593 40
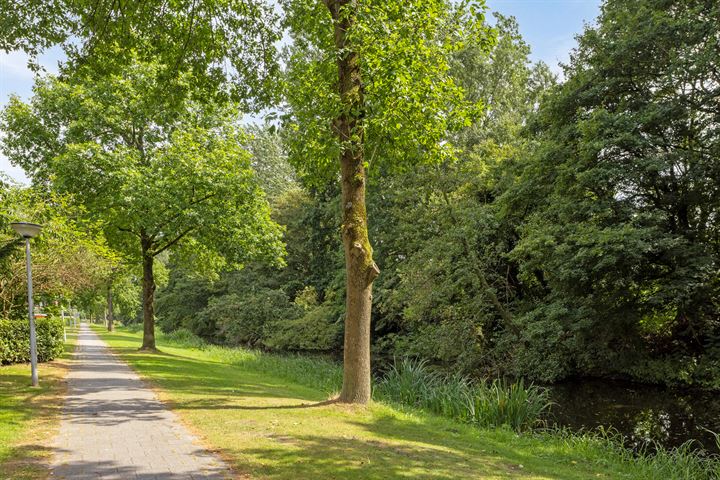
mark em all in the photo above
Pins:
pixel 642 413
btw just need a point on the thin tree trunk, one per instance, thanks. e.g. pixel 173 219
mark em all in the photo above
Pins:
pixel 148 299
pixel 360 269
pixel 110 308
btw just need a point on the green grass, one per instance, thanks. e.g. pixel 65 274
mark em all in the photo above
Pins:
pixel 485 404
pixel 266 415
pixel 29 416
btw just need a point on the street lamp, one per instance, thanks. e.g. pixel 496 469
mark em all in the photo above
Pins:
pixel 28 231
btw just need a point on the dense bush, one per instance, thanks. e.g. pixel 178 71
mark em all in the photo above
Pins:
pixel 15 340
pixel 319 328
pixel 179 303
pixel 182 337
pixel 241 320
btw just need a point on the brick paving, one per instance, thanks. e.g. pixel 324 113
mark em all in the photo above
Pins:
pixel 114 427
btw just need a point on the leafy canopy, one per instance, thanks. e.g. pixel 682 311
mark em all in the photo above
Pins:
pixel 171 173
pixel 228 45
pixel 411 100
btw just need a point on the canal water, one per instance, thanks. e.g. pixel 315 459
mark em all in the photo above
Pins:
pixel 642 413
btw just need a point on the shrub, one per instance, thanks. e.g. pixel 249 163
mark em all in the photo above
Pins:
pixel 485 404
pixel 15 340
pixel 182 337
pixel 319 329
pixel 241 319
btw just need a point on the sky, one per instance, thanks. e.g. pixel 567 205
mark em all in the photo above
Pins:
pixel 548 26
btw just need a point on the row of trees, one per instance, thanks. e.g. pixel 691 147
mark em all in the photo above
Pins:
pixel 136 127
pixel 573 233
pixel 73 264
pixel 523 227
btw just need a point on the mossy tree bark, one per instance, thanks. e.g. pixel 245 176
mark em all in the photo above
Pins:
pixel 360 268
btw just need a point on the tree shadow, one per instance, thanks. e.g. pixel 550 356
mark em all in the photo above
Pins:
pixel 504 448
pixel 388 447
pixel 209 404
pixel 314 456
pixel 125 469
pixel 27 461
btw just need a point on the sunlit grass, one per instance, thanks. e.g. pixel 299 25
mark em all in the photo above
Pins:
pixel 267 416
pixel 29 416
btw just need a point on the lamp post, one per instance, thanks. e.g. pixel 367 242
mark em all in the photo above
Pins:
pixel 28 231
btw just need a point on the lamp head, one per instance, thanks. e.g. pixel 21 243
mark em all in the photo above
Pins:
pixel 26 230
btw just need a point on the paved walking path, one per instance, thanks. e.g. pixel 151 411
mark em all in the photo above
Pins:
pixel 113 426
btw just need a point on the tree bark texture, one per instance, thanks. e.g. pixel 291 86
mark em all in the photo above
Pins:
pixel 110 309
pixel 148 298
pixel 360 268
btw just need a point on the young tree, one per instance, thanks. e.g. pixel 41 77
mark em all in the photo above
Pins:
pixel 161 172
pixel 369 83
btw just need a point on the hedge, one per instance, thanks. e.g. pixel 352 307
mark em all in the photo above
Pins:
pixel 15 340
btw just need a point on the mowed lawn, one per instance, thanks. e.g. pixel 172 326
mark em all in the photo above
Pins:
pixel 269 426
pixel 29 417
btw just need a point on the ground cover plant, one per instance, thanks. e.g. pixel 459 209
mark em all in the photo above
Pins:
pixel 29 416
pixel 268 416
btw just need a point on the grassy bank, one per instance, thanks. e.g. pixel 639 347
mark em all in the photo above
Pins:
pixel 265 415
pixel 30 416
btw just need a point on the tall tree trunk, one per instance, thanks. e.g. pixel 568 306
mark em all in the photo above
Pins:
pixel 148 298
pixel 360 269
pixel 110 308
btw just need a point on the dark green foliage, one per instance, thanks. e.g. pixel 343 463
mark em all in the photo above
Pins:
pixel 318 328
pixel 179 303
pixel 241 309
pixel 298 307
pixel 183 337
pixel 619 250
pixel 447 286
pixel 241 320
pixel 15 340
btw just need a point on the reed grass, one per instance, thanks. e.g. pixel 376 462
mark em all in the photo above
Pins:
pixel 493 403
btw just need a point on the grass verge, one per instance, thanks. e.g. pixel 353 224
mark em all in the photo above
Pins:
pixel 266 415
pixel 30 416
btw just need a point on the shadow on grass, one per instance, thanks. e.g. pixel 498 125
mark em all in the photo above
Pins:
pixel 20 402
pixel 388 448
pixel 27 462
pixel 190 376
pixel 310 456
pixel 214 405
pixel 26 413
pixel 505 450
pixel 371 445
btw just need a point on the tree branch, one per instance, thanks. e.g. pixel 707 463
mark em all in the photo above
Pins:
pixel 173 241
